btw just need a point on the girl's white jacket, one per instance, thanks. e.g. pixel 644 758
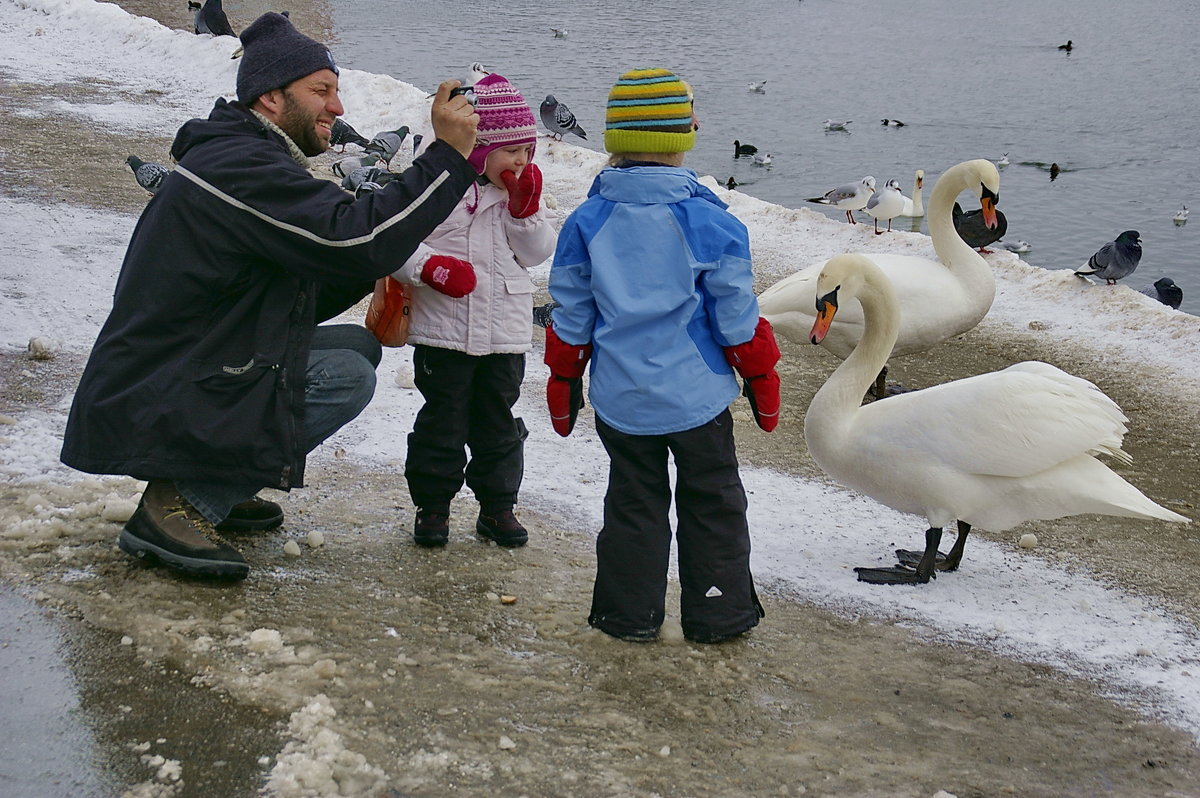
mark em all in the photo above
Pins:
pixel 498 315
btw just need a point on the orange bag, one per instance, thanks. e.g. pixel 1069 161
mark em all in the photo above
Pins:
pixel 390 311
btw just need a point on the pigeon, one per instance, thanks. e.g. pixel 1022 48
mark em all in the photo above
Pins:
pixel 210 18
pixel 762 160
pixel 743 149
pixel 416 142
pixel 1165 291
pixel 558 119
pixel 149 175
pixel 367 174
pixel 972 229
pixel 1116 259
pixel 386 144
pixel 886 203
pixel 342 134
pixel 850 197
pixel 352 163
pixel 834 124
pixel 1180 217
pixel 759 88
pixel 541 314
pixel 1068 47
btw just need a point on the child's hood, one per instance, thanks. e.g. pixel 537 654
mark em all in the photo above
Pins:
pixel 651 185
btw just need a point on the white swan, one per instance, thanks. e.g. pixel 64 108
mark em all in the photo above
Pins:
pixel 913 206
pixel 937 300
pixel 993 451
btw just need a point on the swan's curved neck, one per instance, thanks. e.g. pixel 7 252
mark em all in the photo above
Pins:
pixel 951 249
pixel 842 393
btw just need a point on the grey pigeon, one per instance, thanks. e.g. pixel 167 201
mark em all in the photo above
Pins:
pixel 541 314
pixel 385 145
pixel 367 174
pixel 342 134
pixel 1116 259
pixel 416 141
pixel 210 18
pixel 1164 290
pixel 352 163
pixel 148 174
pixel 971 228
pixel 558 119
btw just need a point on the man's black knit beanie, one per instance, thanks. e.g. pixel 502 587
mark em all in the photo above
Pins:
pixel 275 54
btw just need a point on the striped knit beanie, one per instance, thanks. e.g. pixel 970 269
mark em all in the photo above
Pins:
pixel 649 110
pixel 505 118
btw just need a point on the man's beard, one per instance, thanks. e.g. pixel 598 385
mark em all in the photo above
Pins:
pixel 300 126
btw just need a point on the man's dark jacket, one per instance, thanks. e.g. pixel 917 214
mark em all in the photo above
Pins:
pixel 199 371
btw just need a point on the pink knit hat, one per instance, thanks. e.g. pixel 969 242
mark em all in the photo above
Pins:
pixel 505 118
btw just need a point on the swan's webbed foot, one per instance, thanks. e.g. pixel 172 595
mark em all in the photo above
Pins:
pixel 896 575
pixel 942 562
pixel 924 570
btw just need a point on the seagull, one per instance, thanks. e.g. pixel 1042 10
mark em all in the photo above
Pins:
pixel 1003 162
pixel 148 174
pixel 386 144
pixel 762 160
pixel 1068 46
pixel 743 149
pixel 210 18
pixel 342 134
pixel 559 33
pixel 972 229
pixel 833 124
pixel 759 88
pixel 558 119
pixel 1180 217
pixel 1116 259
pixel 850 197
pixel 1165 291
pixel 476 73
pixel 891 122
pixel 886 203
pixel 1017 245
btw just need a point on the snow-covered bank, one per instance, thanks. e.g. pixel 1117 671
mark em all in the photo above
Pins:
pixel 59 264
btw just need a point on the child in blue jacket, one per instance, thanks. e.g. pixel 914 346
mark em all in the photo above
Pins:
pixel 654 281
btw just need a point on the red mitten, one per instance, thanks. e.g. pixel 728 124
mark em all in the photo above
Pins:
pixel 755 361
pixel 450 276
pixel 524 191
pixel 564 389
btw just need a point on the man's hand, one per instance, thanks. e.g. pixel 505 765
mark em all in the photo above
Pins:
pixel 454 118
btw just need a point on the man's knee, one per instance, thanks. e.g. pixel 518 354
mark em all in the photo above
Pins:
pixel 353 337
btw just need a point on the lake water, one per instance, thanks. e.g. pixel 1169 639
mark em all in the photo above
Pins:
pixel 1117 113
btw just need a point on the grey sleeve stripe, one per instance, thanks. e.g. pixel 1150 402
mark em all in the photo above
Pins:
pixel 300 231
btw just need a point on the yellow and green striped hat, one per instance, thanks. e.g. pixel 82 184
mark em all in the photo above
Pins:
pixel 649 110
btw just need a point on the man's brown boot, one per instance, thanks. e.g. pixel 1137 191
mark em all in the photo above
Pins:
pixel 167 529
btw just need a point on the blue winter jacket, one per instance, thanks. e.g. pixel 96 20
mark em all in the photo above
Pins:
pixel 655 274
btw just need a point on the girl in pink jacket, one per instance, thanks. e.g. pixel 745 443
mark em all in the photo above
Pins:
pixel 470 345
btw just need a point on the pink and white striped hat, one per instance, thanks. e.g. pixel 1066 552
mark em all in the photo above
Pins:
pixel 505 118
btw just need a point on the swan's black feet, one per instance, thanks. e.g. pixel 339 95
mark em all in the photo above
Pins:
pixel 890 389
pixel 896 575
pixel 910 558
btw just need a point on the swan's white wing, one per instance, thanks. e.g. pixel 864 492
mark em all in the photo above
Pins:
pixel 1012 423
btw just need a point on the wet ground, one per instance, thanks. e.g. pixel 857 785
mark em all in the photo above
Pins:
pixel 439 687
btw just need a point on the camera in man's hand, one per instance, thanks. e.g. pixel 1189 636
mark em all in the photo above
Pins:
pixel 466 91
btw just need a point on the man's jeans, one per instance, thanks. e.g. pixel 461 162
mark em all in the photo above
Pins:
pixel 338 384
